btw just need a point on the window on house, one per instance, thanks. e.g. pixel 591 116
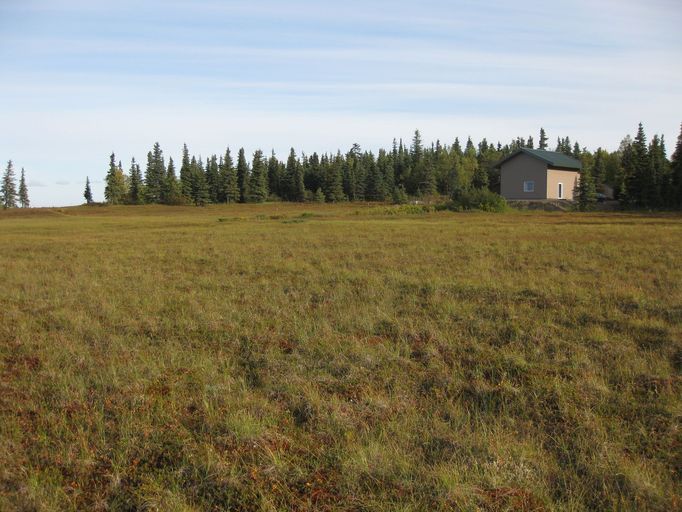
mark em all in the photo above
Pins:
pixel 529 186
pixel 561 190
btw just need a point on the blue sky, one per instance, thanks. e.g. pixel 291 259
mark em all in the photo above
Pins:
pixel 80 79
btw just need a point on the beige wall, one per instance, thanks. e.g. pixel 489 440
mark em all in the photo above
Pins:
pixel 556 176
pixel 519 169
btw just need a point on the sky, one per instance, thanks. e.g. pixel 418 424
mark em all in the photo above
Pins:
pixel 81 79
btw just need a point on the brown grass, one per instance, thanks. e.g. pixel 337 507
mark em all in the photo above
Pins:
pixel 348 357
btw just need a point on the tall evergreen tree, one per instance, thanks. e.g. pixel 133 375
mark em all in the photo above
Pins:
pixel 230 181
pixel 136 187
pixel 374 189
pixel 23 191
pixel 294 178
pixel 171 190
pixel 416 150
pixel 564 146
pixel 427 185
pixel 115 188
pixel 576 151
pixel 274 175
pixel 657 173
pixel 333 184
pixel 385 168
pixel 676 174
pixel 213 178
pixel 423 177
pixel 312 172
pixel 479 179
pixel 155 174
pixel 258 181
pixel 87 194
pixel 242 176
pixel 599 167
pixel 469 167
pixel 8 190
pixel 199 193
pixel 624 177
pixel 186 173
pixel 586 191
pixel 543 139
pixel 457 148
pixel 402 168
pixel 640 184
pixel 451 176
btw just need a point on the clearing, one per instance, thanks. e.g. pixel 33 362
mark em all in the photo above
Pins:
pixel 339 357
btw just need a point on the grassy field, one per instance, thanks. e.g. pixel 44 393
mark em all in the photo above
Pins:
pixel 298 357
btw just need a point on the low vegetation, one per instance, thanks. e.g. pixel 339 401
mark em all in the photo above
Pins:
pixel 339 357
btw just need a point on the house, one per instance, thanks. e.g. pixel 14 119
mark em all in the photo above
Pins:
pixel 537 174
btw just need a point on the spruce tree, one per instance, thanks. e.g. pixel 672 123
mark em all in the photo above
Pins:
pixel 479 179
pixel 457 148
pixel 587 192
pixel 294 178
pixel 599 167
pixel 199 193
pixel 423 178
pixel 543 139
pixel 658 173
pixel 230 181
pixel 333 183
pixel 155 174
pixel 640 182
pixel 529 143
pixel 23 191
pixel 400 195
pixel 402 167
pixel 258 181
pixel 186 174
pixel 676 174
pixel 312 172
pixel 171 190
pixel 136 188
pixel 416 150
pixel 451 184
pixel 428 185
pixel 319 197
pixel 374 189
pixel 361 165
pixel 242 176
pixel 624 179
pixel 87 194
pixel 213 178
pixel 576 151
pixel 385 169
pixel 8 190
pixel 274 175
pixel 115 188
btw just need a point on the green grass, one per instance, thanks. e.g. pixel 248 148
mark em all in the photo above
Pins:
pixel 286 357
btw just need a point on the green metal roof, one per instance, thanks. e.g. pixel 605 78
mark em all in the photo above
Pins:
pixel 552 158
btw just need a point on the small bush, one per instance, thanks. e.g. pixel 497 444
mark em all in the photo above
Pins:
pixel 401 209
pixel 400 195
pixel 319 197
pixel 477 199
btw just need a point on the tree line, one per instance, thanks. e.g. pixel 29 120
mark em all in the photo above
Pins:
pixel 639 173
pixel 10 197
